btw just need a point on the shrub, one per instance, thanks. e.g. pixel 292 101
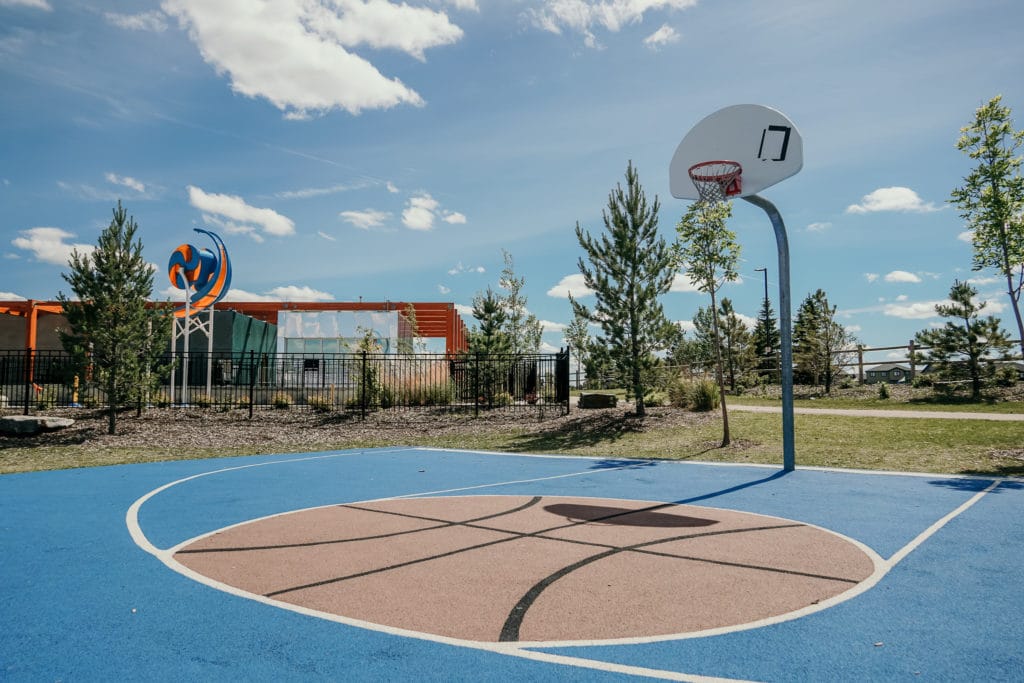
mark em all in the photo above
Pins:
pixel 281 401
pixel 203 400
pixel 883 390
pixel 242 402
pixel 703 396
pixel 160 399
pixel 679 394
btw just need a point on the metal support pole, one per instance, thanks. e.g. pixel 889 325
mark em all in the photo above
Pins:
pixel 785 330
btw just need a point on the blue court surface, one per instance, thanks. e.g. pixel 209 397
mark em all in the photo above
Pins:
pixel 89 591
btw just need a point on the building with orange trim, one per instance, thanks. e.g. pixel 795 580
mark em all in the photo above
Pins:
pixel 32 324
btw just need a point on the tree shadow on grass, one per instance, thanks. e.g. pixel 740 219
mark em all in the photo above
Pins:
pixel 601 428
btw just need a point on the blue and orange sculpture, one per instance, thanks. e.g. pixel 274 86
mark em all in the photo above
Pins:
pixel 203 273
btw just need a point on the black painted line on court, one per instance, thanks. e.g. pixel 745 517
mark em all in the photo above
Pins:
pixel 443 525
pixel 514 621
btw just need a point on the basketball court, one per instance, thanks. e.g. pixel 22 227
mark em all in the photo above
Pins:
pixel 419 564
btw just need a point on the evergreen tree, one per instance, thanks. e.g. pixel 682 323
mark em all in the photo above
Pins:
pixel 630 266
pixel 710 252
pixel 992 198
pixel 767 343
pixel 577 336
pixel 114 338
pixel 489 346
pixel 963 347
pixel 821 346
pixel 522 327
pixel 737 346
pixel 691 354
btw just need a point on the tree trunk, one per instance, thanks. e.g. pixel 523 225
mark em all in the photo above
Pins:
pixel 1015 304
pixel 719 375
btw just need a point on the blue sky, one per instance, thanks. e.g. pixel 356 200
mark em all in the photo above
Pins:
pixel 391 151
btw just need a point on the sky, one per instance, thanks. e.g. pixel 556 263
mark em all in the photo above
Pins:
pixel 378 150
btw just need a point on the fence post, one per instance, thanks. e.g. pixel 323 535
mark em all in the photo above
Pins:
pixel 476 387
pixel 910 355
pixel 363 401
pixel 252 380
pixel 860 363
pixel 28 376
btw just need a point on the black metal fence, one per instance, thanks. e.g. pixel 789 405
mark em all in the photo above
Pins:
pixel 361 382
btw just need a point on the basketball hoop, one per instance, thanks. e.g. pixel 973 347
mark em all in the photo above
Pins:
pixel 716 181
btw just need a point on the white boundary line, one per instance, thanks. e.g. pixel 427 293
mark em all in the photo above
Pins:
pixel 519 649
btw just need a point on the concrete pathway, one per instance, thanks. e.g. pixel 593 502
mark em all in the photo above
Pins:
pixel 930 414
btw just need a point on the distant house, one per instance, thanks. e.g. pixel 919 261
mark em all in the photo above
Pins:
pixel 890 373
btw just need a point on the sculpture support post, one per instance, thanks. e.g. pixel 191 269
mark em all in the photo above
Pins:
pixel 785 330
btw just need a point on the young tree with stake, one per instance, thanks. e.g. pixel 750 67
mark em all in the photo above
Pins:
pixel 709 252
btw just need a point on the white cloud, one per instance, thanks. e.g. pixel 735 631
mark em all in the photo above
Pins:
pixel 34 4
pixel 234 215
pixel 751 323
pixel 915 311
pixel 155 21
pixel 284 293
pixel 549 326
pixel 966 236
pixel 570 284
pixel 392 188
pixel 421 210
pixel 233 228
pixel 318 191
pixel 48 245
pixel 687 326
pixel 985 281
pixel 582 16
pixel 901 276
pixel 870 277
pixel 663 36
pixel 902 297
pixel 992 306
pixel 11 296
pixel 296 53
pixel 465 310
pixel 459 269
pixel 444 290
pixel 367 219
pixel 818 227
pixel 892 199
pixel 125 181
pixel 682 283
pixel 853 328
pixel 329 238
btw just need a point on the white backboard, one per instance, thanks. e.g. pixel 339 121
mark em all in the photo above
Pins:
pixel 761 139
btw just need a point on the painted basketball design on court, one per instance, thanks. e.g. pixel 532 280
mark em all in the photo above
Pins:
pixel 534 569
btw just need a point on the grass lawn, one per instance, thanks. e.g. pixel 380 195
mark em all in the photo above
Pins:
pixel 915 445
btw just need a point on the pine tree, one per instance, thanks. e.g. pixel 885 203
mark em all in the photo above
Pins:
pixel 114 338
pixel 630 266
pixel 710 253
pixel 577 336
pixel 522 327
pixel 821 346
pixel 992 198
pixel 767 343
pixel 963 347
pixel 737 346
pixel 489 346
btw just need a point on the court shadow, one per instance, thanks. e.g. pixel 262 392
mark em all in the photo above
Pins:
pixel 606 514
pixel 976 485
pixel 613 463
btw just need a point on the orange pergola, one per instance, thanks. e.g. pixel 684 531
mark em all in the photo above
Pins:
pixel 433 320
